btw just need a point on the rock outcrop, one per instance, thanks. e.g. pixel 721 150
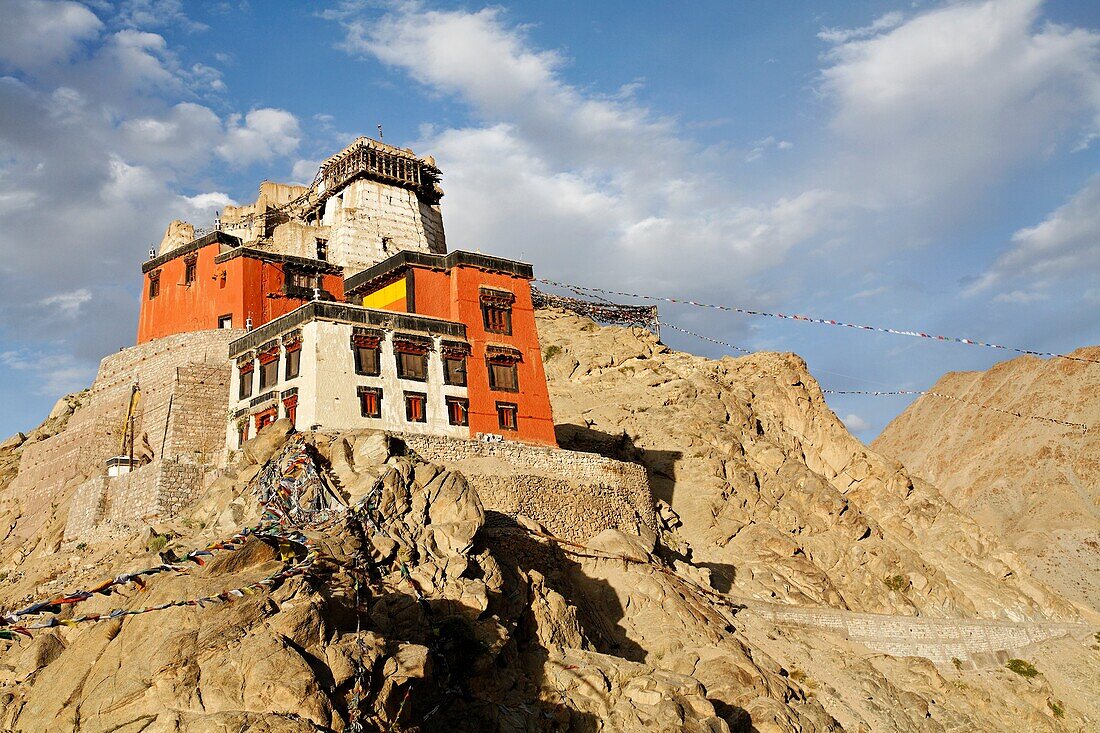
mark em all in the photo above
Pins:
pixel 423 610
pixel 768 489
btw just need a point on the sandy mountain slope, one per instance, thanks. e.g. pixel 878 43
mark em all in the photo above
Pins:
pixel 774 495
pixel 1033 483
pixel 425 611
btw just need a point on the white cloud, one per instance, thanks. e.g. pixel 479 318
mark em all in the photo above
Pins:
pixel 762 146
pixel 260 135
pixel 868 293
pixel 156 14
pixel 955 96
pixel 843 35
pixel 36 33
pixel 99 150
pixel 569 173
pixel 56 374
pixel 67 304
pixel 1064 245
pixel 855 423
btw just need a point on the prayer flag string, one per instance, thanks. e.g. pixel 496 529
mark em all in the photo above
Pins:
pixel 915 392
pixel 929 393
pixel 823 321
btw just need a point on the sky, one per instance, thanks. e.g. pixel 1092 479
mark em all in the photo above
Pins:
pixel 916 165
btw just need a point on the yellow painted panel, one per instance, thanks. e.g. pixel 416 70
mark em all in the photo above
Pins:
pixel 387 297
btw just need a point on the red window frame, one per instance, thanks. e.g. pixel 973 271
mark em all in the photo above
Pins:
pixel 265 418
pixel 458 411
pixel 508 415
pixel 290 407
pixel 416 407
pixel 370 402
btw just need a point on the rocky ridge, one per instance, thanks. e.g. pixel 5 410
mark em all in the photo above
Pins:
pixel 426 611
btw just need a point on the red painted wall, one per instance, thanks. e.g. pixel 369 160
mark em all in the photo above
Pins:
pixel 455 295
pixel 242 293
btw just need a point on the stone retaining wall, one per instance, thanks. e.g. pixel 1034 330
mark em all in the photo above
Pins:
pixel 574 495
pixel 181 413
pixel 974 641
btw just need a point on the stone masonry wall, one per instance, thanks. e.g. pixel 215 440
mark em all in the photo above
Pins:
pixel 975 641
pixel 574 495
pixel 181 414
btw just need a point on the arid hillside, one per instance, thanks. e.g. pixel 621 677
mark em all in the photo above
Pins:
pixel 406 602
pixel 1032 482
pixel 773 494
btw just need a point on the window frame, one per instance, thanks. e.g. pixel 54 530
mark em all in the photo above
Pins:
pixel 377 392
pixel 359 369
pixel 463 370
pixel 154 285
pixel 410 399
pixel 462 402
pixel 399 358
pixel 490 362
pixel 504 328
pixel 190 269
pixel 504 408
pixel 273 366
pixel 246 375
pixel 293 356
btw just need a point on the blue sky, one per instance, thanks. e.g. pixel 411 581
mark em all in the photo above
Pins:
pixel 916 165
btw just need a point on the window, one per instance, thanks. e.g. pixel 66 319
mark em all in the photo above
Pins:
pixel 498 319
pixel 265 418
pixel 242 431
pixel 503 375
pixel 154 285
pixel 508 416
pixel 225 321
pixel 454 370
pixel 412 366
pixel 290 406
pixel 370 401
pixel 458 411
pixel 245 390
pixel 300 285
pixel 269 372
pixel 322 249
pixel 496 310
pixel 293 361
pixel 367 361
pixel 190 265
pixel 415 407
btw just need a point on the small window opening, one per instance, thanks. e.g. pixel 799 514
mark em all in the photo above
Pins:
pixel 508 416
pixel 370 401
pixel 415 407
pixel 458 411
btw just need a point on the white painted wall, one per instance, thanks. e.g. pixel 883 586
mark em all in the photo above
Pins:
pixel 328 388
pixel 366 211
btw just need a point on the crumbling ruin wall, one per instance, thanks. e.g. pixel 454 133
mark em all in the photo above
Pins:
pixel 574 495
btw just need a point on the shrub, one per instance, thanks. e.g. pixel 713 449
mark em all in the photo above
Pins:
pixel 158 543
pixel 1022 668
pixel 957 662
pixel 896 583
pixel 1058 710
pixel 81 545
pixel 550 352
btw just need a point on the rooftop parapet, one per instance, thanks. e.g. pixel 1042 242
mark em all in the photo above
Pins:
pixel 341 312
